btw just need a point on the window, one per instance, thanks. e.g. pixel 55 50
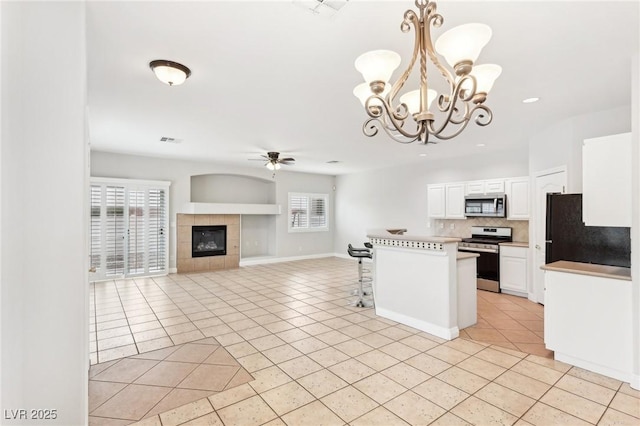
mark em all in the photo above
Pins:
pixel 308 212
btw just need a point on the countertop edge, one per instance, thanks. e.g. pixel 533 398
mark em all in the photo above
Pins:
pixel 516 244
pixel 604 271
pixel 382 233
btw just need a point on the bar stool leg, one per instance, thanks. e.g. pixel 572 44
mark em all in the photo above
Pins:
pixel 361 303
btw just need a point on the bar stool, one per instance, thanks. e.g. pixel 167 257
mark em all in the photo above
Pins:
pixel 361 253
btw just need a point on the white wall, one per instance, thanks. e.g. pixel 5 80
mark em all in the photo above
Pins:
pixel 396 197
pixel 287 244
pixel 220 188
pixel 44 308
pixel 561 143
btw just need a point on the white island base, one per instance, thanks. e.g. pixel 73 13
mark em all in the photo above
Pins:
pixel 421 282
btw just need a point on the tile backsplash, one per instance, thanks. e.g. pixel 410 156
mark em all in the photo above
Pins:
pixel 462 228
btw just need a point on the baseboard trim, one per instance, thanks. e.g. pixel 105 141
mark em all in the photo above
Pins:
pixel 635 381
pixel 442 332
pixel 267 260
pixel 173 270
pixel 623 376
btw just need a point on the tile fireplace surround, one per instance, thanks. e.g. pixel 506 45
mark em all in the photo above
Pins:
pixel 186 263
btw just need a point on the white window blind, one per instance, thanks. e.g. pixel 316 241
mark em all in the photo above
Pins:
pixel 128 225
pixel 157 230
pixel 308 212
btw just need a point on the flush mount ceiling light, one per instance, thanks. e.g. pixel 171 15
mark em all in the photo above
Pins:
pixel 468 85
pixel 169 72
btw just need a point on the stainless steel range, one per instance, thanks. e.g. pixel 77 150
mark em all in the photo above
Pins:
pixel 486 242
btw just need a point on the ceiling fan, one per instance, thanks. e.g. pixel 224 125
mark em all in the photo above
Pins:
pixel 273 160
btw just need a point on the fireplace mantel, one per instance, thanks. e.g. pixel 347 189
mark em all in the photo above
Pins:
pixel 231 208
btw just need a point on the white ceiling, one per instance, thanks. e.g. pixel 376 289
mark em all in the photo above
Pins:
pixel 270 76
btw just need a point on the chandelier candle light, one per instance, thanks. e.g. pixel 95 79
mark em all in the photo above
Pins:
pixel 469 84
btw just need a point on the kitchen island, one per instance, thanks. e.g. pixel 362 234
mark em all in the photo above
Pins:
pixel 423 282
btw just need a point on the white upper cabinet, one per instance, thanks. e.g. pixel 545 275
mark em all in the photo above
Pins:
pixel 606 181
pixel 436 201
pixel 494 186
pixel 454 201
pixel 445 201
pixel 517 191
pixel 475 187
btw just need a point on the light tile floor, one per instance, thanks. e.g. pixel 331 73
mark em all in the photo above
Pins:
pixel 315 361
pixel 509 321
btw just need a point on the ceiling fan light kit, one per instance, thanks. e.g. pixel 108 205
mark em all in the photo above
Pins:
pixel 468 83
pixel 169 72
pixel 274 162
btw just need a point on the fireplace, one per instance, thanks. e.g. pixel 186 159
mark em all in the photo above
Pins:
pixel 209 240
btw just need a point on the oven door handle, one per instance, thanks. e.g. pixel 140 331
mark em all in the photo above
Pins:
pixel 477 250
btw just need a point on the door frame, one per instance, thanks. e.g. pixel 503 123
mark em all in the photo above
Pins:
pixel 536 289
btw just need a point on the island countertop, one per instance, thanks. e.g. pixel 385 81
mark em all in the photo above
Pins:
pixel 605 271
pixel 385 234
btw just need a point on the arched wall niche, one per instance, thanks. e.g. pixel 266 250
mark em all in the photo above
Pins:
pixel 230 188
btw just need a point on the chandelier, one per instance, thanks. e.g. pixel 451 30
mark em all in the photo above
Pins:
pixel 411 120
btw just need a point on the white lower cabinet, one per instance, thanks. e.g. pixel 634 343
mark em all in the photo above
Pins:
pixel 513 270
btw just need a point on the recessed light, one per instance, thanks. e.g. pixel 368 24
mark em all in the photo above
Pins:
pixel 480 144
pixel 422 155
pixel 530 100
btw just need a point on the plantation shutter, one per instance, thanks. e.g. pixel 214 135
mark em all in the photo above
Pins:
pixel 114 231
pixel 298 214
pixel 95 229
pixel 318 216
pixel 308 212
pixel 128 228
pixel 157 234
pixel 136 232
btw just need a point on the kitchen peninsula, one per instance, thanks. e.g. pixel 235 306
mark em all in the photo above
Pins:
pixel 423 282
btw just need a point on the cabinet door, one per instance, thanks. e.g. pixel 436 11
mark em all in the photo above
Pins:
pixel 513 274
pixel 454 201
pixel 435 201
pixel 494 186
pixel 475 187
pixel 517 191
pixel 606 181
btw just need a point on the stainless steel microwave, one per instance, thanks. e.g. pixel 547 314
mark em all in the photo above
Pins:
pixel 489 205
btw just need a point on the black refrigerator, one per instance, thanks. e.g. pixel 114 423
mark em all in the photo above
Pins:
pixel 569 239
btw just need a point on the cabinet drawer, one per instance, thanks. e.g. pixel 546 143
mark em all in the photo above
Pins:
pixel 510 251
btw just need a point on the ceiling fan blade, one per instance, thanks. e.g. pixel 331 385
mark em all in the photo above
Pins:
pixel 288 159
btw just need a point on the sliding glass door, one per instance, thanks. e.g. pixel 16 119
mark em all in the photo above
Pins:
pixel 128 227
